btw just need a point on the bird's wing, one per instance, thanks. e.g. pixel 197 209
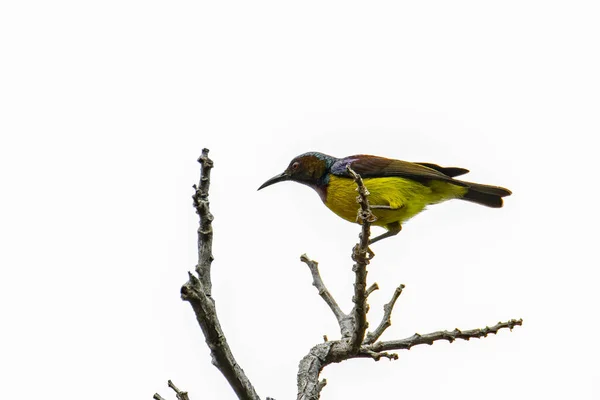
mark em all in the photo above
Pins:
pixel 373 166
pixel 450 171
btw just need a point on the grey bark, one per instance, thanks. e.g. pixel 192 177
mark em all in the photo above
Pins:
pixel 197 291
pixel 353 326
pixel 353 343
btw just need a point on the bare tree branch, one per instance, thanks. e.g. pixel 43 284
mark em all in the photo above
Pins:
pixel 357 345
pixel 386 321
pixel 205 232
pixel 180 394
pixel 323 292
pixel 353 325
pixel 353 343
pixel 309 385
pixel 336 351
pixel 361 254
pixel 344 321
pixel 450 336
pixel 197 291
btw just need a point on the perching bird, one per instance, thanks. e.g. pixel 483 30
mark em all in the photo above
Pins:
pixel 399 190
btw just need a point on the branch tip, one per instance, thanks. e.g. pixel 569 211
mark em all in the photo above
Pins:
pixel 204 160
pixel 321 385
pixel 372 288
pixel 181 395
pixel 197 291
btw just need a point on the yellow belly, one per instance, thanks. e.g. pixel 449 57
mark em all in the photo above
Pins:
pixel 405 197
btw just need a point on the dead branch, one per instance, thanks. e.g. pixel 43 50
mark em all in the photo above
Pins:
pixel 181 395
pixel 353 343
pixel 386 321
pixel 197 291
pixel 344 320
pixel 361 254
pixel 205 232
pixel 450 336
pixel 357 345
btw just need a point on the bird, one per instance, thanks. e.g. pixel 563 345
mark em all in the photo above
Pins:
pixel 399 190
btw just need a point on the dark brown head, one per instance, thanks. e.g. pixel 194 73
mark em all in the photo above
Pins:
pixel 311 169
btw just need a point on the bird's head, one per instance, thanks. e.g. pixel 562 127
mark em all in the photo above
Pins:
pixel 309 168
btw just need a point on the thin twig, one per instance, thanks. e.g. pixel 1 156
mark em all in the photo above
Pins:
pixel 313 266
pixel 336 351
pixel 181 395
pixel 450 336
pixel 386 321
pixel 378 355
pixel 344 321
pixel 372 288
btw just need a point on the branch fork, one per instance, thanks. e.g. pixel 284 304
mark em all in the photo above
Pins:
pixel 355 342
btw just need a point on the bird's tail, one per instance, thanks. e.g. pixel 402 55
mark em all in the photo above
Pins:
pixel 486 195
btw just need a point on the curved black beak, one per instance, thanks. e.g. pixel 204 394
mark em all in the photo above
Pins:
pixel 278 178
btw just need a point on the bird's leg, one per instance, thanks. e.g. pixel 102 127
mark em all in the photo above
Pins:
pixel 393 230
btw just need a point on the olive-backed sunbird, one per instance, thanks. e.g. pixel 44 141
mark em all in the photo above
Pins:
pixel 399 190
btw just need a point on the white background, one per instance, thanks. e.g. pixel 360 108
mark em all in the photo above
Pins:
pixel 105 106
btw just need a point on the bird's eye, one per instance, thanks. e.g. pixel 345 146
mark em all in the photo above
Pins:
pixel 295 166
